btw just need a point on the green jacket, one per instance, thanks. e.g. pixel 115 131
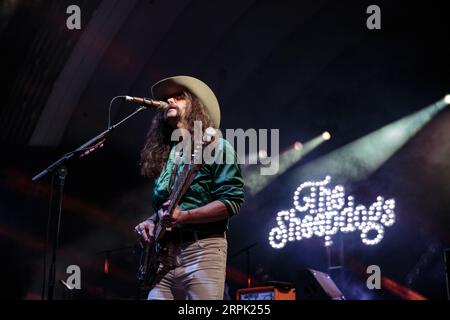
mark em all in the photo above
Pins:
pixel 216 181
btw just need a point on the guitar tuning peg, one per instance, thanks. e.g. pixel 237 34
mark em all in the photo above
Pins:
pixel 209 134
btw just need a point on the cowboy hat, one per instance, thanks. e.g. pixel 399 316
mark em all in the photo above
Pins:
pixel 173 85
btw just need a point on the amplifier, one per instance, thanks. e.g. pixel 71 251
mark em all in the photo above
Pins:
pixel 266 293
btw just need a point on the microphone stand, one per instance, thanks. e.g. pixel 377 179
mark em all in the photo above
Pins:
pixel 59 170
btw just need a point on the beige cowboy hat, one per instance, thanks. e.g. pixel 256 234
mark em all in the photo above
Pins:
pixel 169 86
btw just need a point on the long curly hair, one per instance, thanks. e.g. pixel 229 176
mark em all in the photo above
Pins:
pixel 157 146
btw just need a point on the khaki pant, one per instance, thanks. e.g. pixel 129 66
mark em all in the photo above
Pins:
pixel 192 271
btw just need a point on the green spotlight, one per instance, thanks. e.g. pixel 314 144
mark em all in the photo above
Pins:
pixel 357 160
pixel 255 182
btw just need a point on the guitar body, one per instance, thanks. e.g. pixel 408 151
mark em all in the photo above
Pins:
pixel 151 258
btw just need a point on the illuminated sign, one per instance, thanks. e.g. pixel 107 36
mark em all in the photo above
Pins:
pixel 327 211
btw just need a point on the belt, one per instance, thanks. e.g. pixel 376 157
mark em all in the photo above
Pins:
pixel 183 236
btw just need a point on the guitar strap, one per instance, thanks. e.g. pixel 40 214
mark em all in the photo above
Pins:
pixel 173 175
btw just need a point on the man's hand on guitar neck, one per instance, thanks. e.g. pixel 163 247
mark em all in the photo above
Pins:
pixel 178 216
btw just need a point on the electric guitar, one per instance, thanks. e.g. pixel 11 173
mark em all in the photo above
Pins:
pixel 153 252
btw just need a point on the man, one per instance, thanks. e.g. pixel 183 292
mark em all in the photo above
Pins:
pixel 195 262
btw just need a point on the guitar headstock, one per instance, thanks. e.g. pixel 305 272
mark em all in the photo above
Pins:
pixel 197 155
pixel 209 135
pixel 199 144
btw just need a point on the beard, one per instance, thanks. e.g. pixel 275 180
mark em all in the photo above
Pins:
pixel 170 108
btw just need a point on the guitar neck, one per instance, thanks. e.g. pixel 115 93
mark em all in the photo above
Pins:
pixel 181 186
pixel 175 196
pixel 183 183
pixel 186 176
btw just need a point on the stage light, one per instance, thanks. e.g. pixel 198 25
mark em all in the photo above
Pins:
pixel 262 154
pixel 298 146
pixel 447 99
pixel 326 136
pixel 338 214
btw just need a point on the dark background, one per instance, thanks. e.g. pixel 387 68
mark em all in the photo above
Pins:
pixel 300 66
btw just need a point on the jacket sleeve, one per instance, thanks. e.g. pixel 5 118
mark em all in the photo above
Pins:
pixel 228 183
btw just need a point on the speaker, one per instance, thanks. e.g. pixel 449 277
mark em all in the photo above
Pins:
pixel 316 285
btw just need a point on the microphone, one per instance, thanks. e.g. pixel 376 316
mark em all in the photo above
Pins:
pixel 148 102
